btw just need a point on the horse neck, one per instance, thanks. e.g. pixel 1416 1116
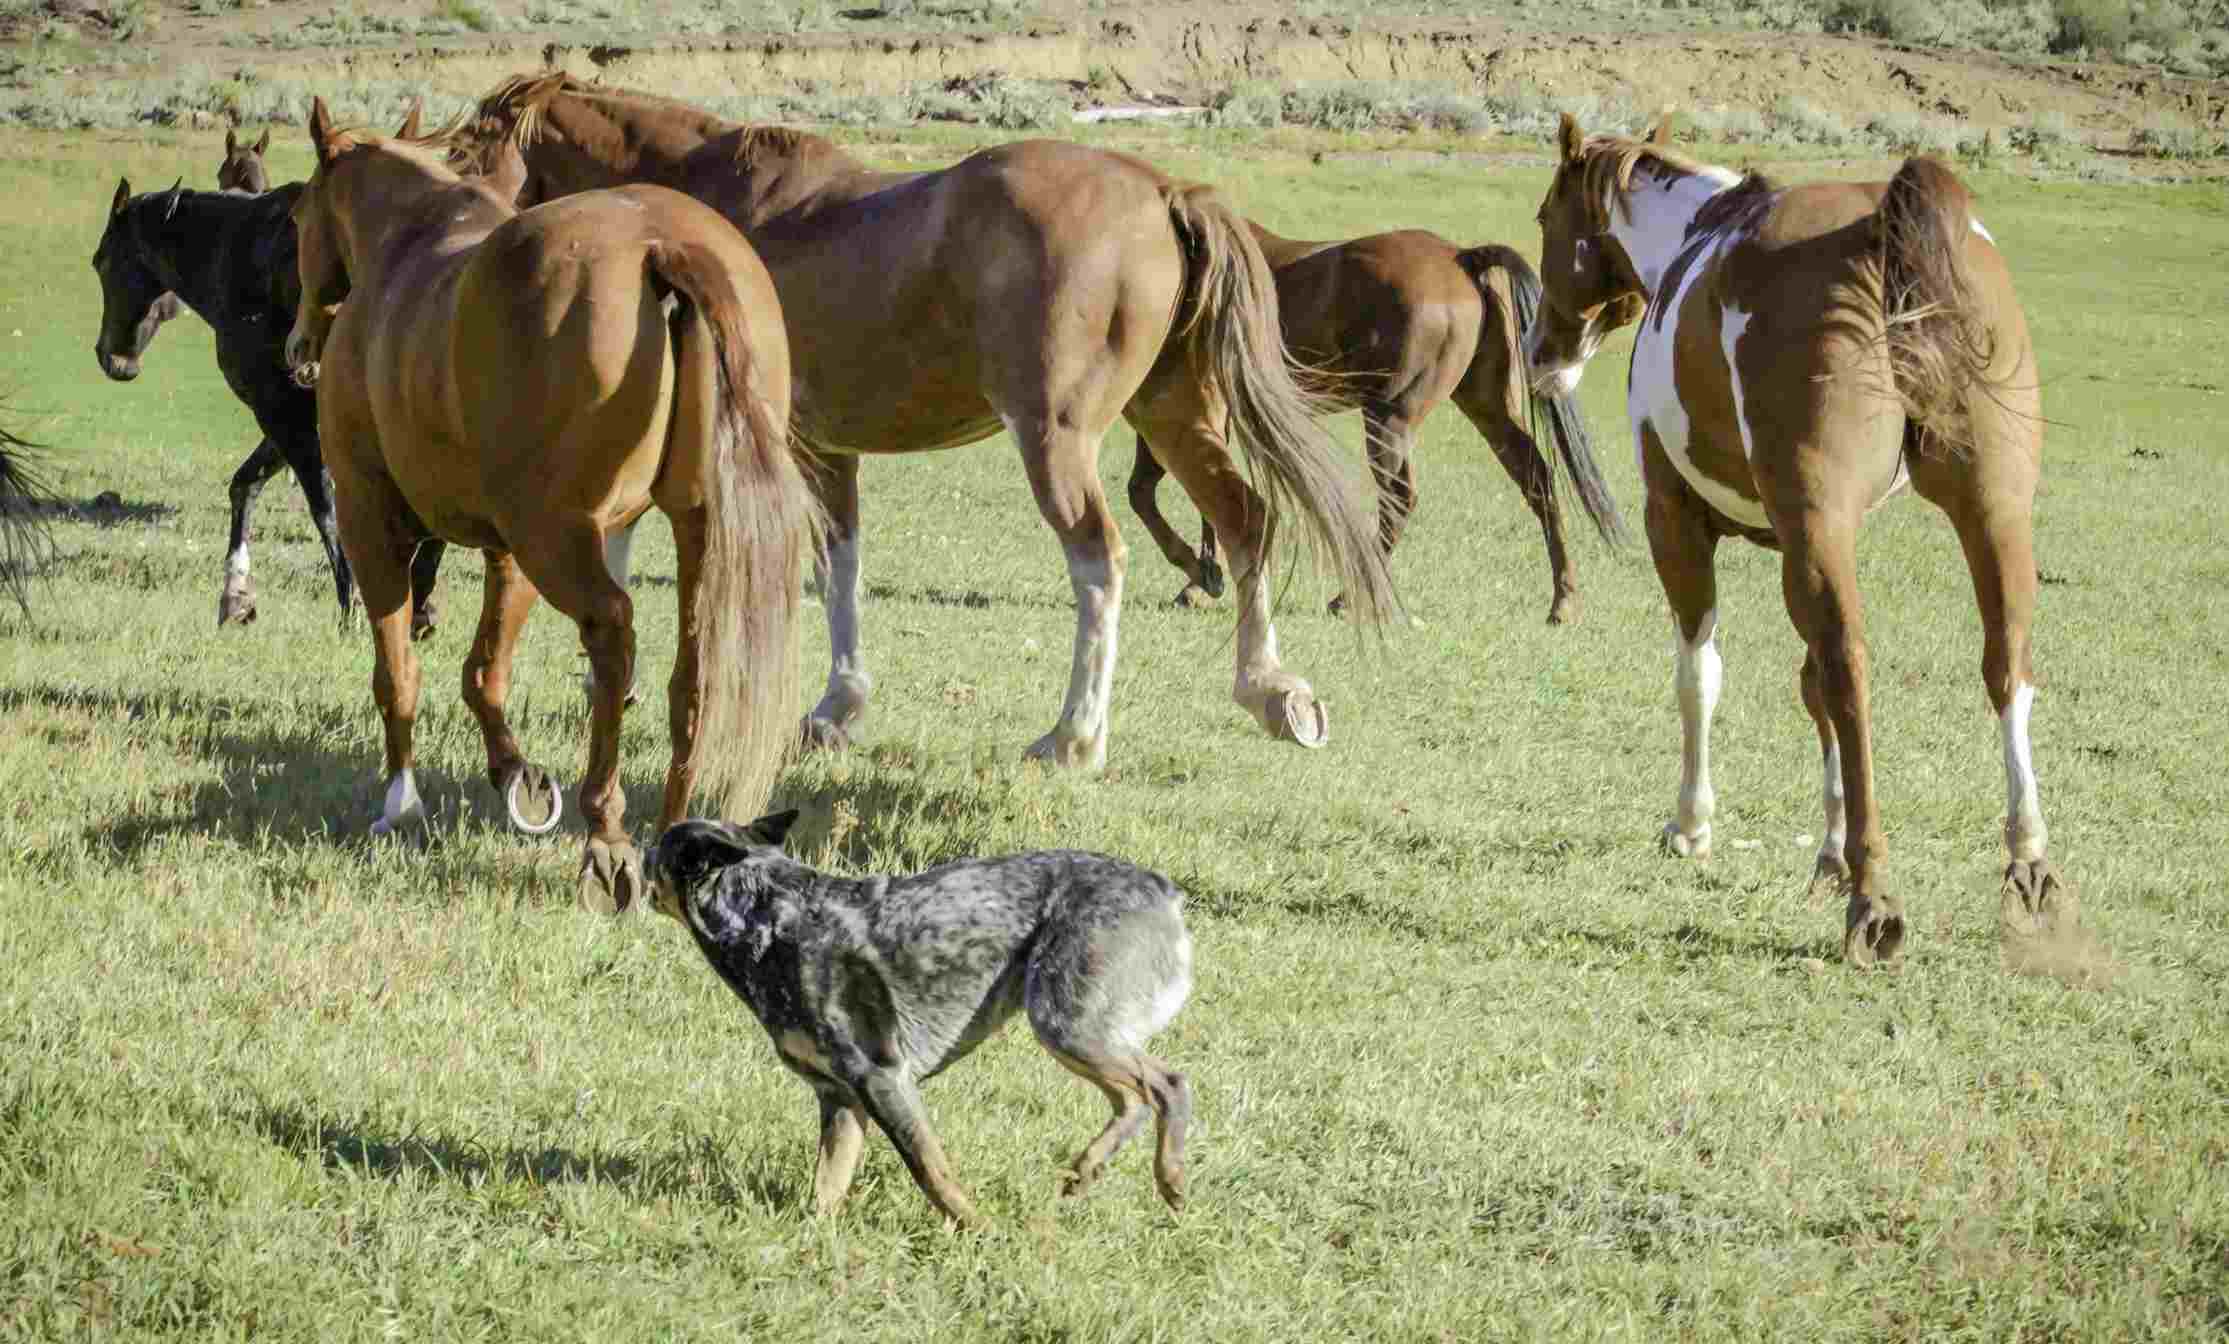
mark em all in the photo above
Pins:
pixel 1279 250
pixel 397 209
pixel 746 171
pixel 1650 218
pixel 186 249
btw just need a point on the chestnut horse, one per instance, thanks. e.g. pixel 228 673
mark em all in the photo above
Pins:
pixel 1803 353
pixel 1041 286
pixel 530 384
pixel 1401 322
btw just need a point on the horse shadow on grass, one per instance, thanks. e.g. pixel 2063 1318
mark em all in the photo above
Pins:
pixel 107 509
pixel 690 1167
pixel 274 778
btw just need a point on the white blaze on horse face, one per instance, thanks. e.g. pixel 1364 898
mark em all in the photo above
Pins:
pixel 1696 676
pixel 402 807
pixel 2025 834
pixel 848 683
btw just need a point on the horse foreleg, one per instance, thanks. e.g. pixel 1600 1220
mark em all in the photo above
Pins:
pixel 1204 578
pixel 843 705
pixel 236 601
pixel 308 465
pixel 1684 548
pixel 1066 483
pixel 531 799
pixel 425 567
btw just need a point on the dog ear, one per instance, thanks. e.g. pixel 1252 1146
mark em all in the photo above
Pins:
pixel 773 829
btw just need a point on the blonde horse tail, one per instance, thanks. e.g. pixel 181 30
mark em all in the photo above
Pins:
pixel 759 521
pixel 1939 339
pixel 1581 475
pixel 1235 340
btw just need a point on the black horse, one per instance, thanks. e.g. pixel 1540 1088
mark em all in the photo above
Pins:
pixel 229 256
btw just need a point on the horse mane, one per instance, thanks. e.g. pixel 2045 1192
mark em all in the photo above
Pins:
pixel 517 110
pixel 1609 162
pixel 1739 205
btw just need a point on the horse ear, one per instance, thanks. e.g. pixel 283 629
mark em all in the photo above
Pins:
pixel 231 146
pixel 321 131
pixel 772 830
pixel 263 141
pixel 123 196
pixel 1569 138
pixel 1662 135
pixel 409 129
pixel 177 189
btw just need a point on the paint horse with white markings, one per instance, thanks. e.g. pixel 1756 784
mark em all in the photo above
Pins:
pixel 532 384
pixel 1803 353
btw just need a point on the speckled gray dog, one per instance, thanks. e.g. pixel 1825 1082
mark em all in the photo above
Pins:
pixel 869 986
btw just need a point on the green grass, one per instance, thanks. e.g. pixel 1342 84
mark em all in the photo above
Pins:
pixel 1471 1060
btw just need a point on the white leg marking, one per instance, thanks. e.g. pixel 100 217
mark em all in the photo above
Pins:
pixel 1696 675
pixel 402 807
pixel 1097 580
pixel 2024 830
pixel 618 547
pixel 236 562
pixel 1836 807
pixel 845 700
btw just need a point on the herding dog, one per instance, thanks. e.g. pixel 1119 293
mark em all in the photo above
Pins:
pixel 869 986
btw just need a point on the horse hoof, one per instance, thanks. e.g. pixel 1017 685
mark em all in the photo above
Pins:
pixel 1678 844
pixel 422 623
pixel 236 607
pixel 1075 753
pixel 816 734
pixel 1565 610
pixel 533 801
pixel 2034 902
pixel 1195 596
pixel 610 877
pixel 1338 605
pixel 1872 931
pixel 1211 578
pixel 1298 717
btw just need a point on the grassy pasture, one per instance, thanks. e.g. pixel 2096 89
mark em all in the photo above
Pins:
pixel 1472 1060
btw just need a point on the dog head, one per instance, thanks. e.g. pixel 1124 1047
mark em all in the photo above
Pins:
pixel 692 854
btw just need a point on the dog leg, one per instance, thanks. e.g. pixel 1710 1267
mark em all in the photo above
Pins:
pixel 842 1136
pixel 1172 1114
pixel 895 1104
pixel 1126 1093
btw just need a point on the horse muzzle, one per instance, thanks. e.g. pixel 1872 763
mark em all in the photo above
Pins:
pixel 119 368
pixel 301 359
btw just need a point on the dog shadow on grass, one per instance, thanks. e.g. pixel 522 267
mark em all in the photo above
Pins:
pixel 691 1167
pixel 285 772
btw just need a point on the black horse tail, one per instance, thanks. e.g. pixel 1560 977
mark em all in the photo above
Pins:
pixel 25 502
pixel 1581 475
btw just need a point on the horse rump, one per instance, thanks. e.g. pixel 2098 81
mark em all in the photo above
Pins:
pixel 1939 340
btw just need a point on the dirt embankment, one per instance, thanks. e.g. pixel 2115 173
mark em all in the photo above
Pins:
pixel 1130 53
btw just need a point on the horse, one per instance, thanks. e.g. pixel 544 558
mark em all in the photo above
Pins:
pixel 1396 324
pixel 25 502
pixel 242 168
pixel 531 383
pixel 229 257
pixel 1042 286
pixel 1803 353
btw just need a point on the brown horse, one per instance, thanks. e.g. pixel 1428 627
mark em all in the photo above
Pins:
pixel 1803 353
pixel 242 167
pixel 531 384
pixel 1399 323
pixel 1041 286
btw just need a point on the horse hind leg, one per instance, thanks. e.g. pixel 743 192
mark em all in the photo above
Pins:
pixel 1989 497
pixel 1520 455
pixel 566 560
pixel 236 601
pixel 843 704
pixel 308 465
pixel 379 534
pixel 1391 438
pixel 425 568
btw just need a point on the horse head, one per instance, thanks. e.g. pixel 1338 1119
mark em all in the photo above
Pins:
pixel 1588 286
pixel 242 169
pixel 135 300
